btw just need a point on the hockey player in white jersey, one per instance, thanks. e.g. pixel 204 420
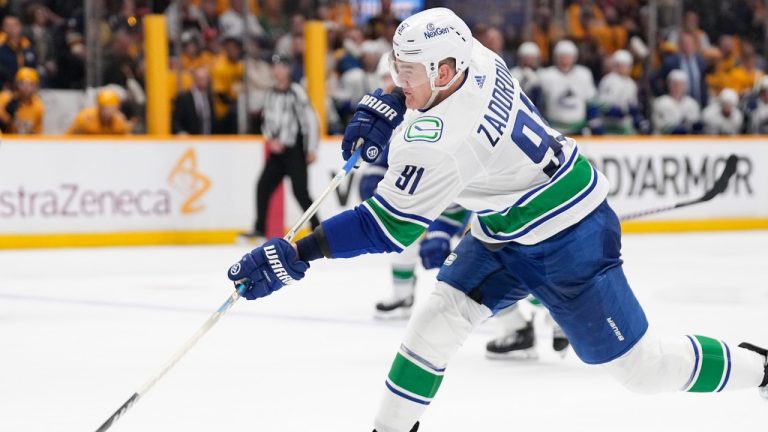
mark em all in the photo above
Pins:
pixel 541 226
pixel 757 109
pixel 723 116
pixel 676 112
pixel 617 102
pixel 527 70
pixel 568 91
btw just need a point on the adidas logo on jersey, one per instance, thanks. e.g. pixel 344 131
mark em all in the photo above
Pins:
pixel 277 265
pixel 379 106
pixel 480 80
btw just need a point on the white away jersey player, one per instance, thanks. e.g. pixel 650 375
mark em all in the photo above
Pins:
pixel 671 115
pixel 486 148
pixel 565 96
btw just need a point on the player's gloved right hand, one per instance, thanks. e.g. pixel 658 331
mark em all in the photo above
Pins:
pixel 376 118
pixel 434 249
pixel 268 268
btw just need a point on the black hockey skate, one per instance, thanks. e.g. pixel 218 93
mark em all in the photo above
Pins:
pixel 394 308
pixel 763 388
pixel 415 428
pixel 560 342
pixel 518 345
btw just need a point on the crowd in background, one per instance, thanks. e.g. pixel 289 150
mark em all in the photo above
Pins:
pixel 592 70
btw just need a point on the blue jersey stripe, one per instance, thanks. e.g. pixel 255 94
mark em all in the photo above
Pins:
pixel 397 212
pixel 695 364
pixel 728 367
pixel 403 395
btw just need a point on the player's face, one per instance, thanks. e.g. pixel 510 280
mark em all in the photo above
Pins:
pixel 412 78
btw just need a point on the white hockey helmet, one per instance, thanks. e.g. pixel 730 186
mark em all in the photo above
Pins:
pixel 622 57
pixel 528 49
pixel 728 97
pixel 427 38
pixel 566 47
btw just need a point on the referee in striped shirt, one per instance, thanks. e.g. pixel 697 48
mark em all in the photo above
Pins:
pixel 290 127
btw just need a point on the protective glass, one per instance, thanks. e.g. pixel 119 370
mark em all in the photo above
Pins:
pixel 407 74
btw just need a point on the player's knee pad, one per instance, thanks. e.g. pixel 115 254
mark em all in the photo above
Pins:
pixel 441 325
pixel 653 365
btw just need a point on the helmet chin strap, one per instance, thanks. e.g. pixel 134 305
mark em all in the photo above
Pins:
pixel 436 90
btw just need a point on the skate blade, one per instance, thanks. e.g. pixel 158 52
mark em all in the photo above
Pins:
pixel 518 355
pixel 393 315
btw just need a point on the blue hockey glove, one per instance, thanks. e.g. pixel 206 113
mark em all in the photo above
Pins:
pixel 268 268
pixel 434 249
pixel 376 118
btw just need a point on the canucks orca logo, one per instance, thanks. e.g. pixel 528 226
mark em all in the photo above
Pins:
pixel 428 129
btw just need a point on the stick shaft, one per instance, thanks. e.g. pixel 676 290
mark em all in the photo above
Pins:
pixel 213 319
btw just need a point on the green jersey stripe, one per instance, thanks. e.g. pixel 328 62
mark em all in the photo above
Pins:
pixel 412 378
pixel 549 199
pixel 712 370
pixel 457 217
pixel 402 274
pixel 400 231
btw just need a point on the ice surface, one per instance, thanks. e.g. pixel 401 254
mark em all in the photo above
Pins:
pixel 81 330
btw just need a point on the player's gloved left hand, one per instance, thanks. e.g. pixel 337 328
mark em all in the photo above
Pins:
pixel 434 249
pixel 268 268
pixel 377 116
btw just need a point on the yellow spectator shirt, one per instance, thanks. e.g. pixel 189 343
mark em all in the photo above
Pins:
pixel 28 118
pixel 224 76
pixel 87 123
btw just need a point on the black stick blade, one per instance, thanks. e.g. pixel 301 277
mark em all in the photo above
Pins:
pixel 120 411
pixel 722 183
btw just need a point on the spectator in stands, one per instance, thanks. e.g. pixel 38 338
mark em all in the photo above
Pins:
pixel 688 60
pixel 231 22
pixel 545 32
pixel 725 66
pixel 691 25
pixel 192 54
pixel 283 46
pixel 579 16
pixel 291 132
pixel 617 98
pixel 609 34
pixel 258 83
pixel 22 110
pixel 273 20
pixel 193 109
pixel 526 71
pixel 493 39
pixel 354 83
pixel 40 33
pixel 16 50
pixel 103 119
pixel 227 78
pixel 567 90
pixel 747 76
pixel 757 109
pixel 121 62
pixel 723 117
pixel 209 9
pixel 182 15
pixel 676 112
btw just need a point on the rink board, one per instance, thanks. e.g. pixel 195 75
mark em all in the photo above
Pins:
pixel 113 191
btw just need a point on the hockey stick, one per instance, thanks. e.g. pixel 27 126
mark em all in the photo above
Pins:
pixel 353 162
pixel 719 187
